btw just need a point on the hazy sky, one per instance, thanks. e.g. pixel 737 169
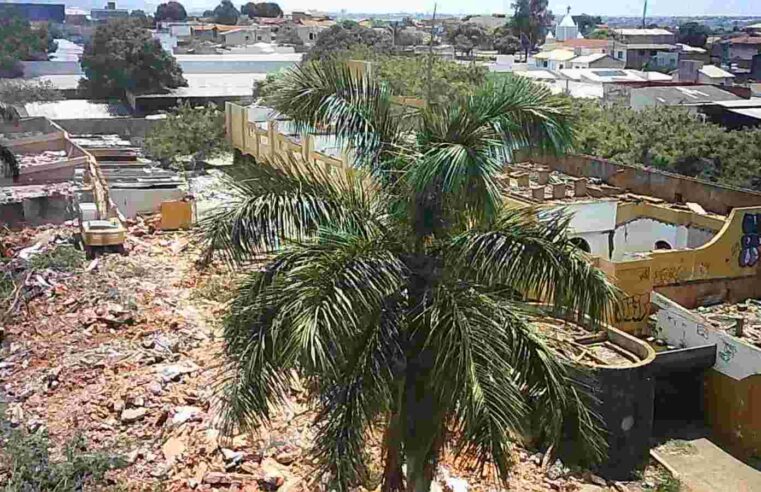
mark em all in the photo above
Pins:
pixel 598 7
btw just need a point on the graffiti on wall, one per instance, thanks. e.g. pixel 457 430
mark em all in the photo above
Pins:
pixel 750 242
pixel 633 308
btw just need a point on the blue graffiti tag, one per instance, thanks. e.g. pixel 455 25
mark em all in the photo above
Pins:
pixel 728 352
pixel 750 240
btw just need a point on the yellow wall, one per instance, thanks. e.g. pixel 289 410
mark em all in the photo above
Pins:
pixel 733 410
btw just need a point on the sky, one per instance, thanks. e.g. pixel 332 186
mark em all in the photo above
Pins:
pixel 597 7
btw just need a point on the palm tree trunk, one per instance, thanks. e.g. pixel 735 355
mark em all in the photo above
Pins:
pixel 393 476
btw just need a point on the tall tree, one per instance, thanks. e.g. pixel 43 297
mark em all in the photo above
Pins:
pixel 694 34
pixel 198 132
pixel 587 23
pixel 170 11
pixel 348 35
pixel 264 9
pixel 530 22
pixel 19 42
pixel 121 56
pixel 226 13
pixel 467 36
pixel 397 288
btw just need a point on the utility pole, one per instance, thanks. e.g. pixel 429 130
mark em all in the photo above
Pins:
pixel 644 15
pixel 430 59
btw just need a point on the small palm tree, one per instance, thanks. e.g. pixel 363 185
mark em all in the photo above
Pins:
pixel 398 288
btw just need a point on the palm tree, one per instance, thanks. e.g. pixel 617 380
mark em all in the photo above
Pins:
pixel 398 288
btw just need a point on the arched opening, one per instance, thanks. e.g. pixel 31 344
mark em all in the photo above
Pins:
pixel 662 245
pixel 582 244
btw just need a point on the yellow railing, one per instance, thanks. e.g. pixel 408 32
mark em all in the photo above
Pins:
pixel 259 143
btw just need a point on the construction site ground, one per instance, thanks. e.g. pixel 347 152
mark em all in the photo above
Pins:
pixel 125 350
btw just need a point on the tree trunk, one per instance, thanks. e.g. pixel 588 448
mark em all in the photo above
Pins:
pixel 393 476
pixel 422 414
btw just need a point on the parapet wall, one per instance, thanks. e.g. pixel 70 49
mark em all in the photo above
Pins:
pixel 652 182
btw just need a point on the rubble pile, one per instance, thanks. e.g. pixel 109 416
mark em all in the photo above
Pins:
pixel 125 351
pixel 41 158
pixel 727 316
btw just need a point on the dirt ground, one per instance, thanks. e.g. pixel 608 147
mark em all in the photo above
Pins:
pixel 125 351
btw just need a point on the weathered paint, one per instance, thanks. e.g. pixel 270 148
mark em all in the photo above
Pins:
pixel 733 412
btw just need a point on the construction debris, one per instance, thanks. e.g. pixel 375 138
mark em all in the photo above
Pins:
pixel 125 350
pixel 742 320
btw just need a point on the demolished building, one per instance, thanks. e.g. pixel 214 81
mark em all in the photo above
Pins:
pixel 671 243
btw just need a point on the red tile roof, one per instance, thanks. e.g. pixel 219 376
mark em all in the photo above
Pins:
pixel 587 43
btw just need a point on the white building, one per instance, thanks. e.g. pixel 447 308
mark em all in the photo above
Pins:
pixel 567 29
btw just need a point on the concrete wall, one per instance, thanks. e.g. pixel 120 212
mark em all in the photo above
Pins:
pixel 668 186
pixel 35 211
pixel 732 391
pixel 124 127
pixel 134 201
pixel 38 68
pixel 640 236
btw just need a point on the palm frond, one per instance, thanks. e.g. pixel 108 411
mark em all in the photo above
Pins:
pixel 351 104
pixel 476 372
pixel 536 258
pixel 284 199
pixel 463 147
pixel 10 165
pixel 312 309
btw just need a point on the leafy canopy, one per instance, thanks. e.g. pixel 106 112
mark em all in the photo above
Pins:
pixel 337 40
pixel 397 288
pixel 188 131
pixel 263 9
pixel 170 11
pixel 226 13
pixel 123 56
pixel 19 42
pixel 671 139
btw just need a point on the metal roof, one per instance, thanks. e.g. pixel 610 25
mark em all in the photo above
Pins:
pixel 686 95
pixel 643 32
pixel 749 112
pixel 715 72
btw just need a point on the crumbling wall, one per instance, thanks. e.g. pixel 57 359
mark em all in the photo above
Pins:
pixel 652 182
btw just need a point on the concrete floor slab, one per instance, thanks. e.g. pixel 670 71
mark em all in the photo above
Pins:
pixel 705 467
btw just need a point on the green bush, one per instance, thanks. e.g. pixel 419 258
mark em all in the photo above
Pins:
pixel 27 464
pixel 64 258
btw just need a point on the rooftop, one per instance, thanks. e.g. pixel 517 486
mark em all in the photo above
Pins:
pixel 589 58
pixel 715 72
pixel 556 55
pixel 643 32
pixel 752 40
pixel 685 95
pixel 69 109
pixel 587 43
pixel 215 85
pixel 651 46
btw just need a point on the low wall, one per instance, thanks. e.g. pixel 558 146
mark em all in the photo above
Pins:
pixel 35 211
pixel 38 68
pixel 652 182
pixel 732 389
pixel 124 127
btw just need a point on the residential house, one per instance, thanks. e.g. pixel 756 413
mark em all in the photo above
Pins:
pixel 247 35
pixel 596 60
pixel 695 71
pixel 588 46
pixel 739 51
pixel 687 52
pixel 109 12
pixel 646 48
pixel 553 60
pixel 210 32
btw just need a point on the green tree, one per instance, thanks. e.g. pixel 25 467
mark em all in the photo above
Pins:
pixel 170 11
pixel 263 9
pixel 226 13
pixel 505 41
pixel 672 139
pixel 19 42
pixel 397 288
pixel 694 34
pixel 335 41
pixel 124 56
pixel 141 18
pixel 587 23
pixel 198 132
pixel 530 22
pixel 467 36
